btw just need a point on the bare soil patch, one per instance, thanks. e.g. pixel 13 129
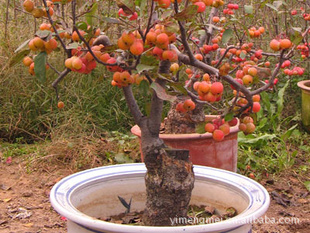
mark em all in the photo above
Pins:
pixel 25 207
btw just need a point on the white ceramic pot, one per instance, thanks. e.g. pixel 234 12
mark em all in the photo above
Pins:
pixel 87 195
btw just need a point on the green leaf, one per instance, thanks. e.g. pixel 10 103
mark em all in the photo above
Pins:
pixel 262 123
pixel 44 35
pixel 278 4
pixel 143 8
pixel 73 46
pixel 122 158
pixel 187 13
pixel 245 140
pixel 91 13
pixel 296 36
pixel 125 204
pixel 172 27
pixel 39 66
pixel 307 185
pixel 248 9
pixel 275 6
pixel 280 101
pixel 149 60
pixel 266 100
pixel 24 44
pixel 127 5
pixel 228 33
pixel 82 25
pixel 288 133
pixel 18 57
pixel 144 87
pixel 110 20
pixel 242 55
pixel 229 116
pixel 161 92
pixel 179 87
pixel 142 67
pixel 200 128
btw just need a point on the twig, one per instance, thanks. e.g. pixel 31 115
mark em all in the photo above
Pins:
pixel 55 29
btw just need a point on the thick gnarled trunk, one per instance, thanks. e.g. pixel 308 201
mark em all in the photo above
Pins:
pixel 170 178
pixel 169 183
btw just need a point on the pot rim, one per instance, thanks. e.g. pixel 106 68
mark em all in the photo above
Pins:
pixel 303 86
pixel 135 130
pixel 60 195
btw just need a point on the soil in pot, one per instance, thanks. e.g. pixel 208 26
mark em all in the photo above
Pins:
pixel 196 215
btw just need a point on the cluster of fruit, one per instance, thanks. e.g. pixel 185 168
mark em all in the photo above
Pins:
pixel 80 64
pixel 220 128
pixel 28 61
pixel 247 125
pixel 304 50
pixel 208 91
pixel 230 9
pixel 203 3
pixel 242 102
pixel 247 74
pixel 122 79
pixel 277 45
pixel 254 32
pixel 186 106
pixel 306 16
pixel 295 71
pixel 38 44
pixel 131 41
pixel 84 62
pixel 39 11
pixel 209 48
pixel 239 54
pixel 159 38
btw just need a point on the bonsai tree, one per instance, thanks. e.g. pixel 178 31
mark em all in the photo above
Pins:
pixel 200 55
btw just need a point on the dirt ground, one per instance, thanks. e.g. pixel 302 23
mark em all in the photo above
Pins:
pixel 25 207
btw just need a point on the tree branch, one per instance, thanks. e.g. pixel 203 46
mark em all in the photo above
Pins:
pixel 132 105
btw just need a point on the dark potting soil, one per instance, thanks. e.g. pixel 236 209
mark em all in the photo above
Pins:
pixel 196 215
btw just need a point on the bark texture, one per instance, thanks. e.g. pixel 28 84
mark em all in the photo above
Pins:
pixel 177 123
pixel 169 183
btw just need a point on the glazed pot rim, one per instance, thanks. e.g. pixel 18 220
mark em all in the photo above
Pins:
pixel 60 198
pixel 234 129
pixel 303 86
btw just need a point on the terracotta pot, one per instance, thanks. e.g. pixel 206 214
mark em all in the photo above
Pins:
pixel 305 103
pixel 91 194
pixel 203 149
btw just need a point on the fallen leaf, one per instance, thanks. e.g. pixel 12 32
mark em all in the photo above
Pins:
pixel 280 200
pixel 7 200
pixel 30 224
pixel 3 222
pixel 302 201
pixel 4 187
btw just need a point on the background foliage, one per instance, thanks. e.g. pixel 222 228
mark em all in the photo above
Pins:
pixel 28 109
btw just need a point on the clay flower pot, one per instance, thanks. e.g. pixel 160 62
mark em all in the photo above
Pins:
pixel 91 194
pixel 305 103
pixel 203 149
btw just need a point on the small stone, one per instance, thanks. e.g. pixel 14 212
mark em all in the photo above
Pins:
pixel 27 194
